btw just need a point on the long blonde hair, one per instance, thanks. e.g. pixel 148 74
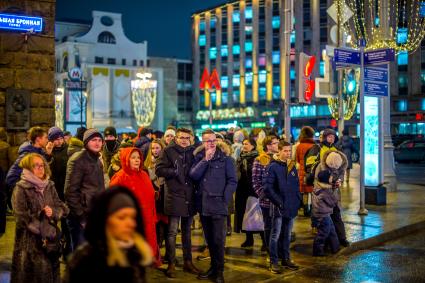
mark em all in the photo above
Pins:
pixel 148 162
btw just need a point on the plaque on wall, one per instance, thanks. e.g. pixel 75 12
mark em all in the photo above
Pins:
pixel 18 109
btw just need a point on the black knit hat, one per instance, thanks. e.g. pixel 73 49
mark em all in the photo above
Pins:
pixel 54 133
pixel 110 131
pixel 145 132
pixel 90 134
pixel 80 133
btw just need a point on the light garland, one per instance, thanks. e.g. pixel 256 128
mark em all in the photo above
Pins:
pixel 144 93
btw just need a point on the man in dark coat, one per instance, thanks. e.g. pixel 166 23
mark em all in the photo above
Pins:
pixel 281 186
pixel 215 173
pixel 38 144
pixel 84 179
pixel 144 140
pixel 58 169
pixel 110 147
pixel 174 164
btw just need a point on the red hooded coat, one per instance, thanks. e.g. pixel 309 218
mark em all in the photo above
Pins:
pixel 140 184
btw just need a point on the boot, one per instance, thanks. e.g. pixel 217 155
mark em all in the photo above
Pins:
pixel 189 267
pixel 219 278
pixel 171 270
pixel 210 274
pixel 307 210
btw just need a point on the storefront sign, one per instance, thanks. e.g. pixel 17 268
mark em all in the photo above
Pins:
pixel 22 23
pixel 223 114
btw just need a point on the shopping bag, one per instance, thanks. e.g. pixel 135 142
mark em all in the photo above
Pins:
pixel 253 217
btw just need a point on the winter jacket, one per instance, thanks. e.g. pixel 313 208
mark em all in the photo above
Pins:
pixel 108 153
pixel 258 173
pixel 143 144
pixel 302 149
pixel 84 179
pixel 15 171
pixel 323 202
pixel 336 173
pixel 281 186
pixel 75 145
pixel 58 168
pixel 216 181
pixel 174 165
pixel 346 144
pixel 244 188
pixel 140 185
pixel 30 263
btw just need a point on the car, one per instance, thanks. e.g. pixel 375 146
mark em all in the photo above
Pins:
pixel 410 150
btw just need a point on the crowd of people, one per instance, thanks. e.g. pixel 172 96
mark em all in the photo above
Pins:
pixel 106 204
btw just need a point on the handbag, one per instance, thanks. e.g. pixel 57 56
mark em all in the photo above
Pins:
pixel 253 217
pixel 52 242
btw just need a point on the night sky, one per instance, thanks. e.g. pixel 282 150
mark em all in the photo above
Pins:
pixel 165 24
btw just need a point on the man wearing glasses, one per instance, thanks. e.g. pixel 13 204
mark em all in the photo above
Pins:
pixel 215 173
pixel 174 164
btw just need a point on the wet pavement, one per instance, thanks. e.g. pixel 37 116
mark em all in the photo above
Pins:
pixel 404 207
pixel 411 173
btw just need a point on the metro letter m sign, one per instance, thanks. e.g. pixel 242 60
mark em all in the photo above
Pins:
pixel 208 82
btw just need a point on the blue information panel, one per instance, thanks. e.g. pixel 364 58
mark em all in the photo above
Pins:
pixel 376 80
pixel 23 23
pixel 346 57
pixel 377 57
pixel 371 137
pixel 375 89
pixel 376 74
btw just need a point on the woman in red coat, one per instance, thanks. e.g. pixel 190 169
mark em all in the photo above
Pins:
pixel 133 177
pixel 306 142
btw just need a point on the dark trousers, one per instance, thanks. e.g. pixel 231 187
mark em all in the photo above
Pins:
pixel 67 237
pixel 339 224
pixel 76 230
pixel 267 224
pixel 280 238
pixel 173 226
pixel 213 229
pixel 325 235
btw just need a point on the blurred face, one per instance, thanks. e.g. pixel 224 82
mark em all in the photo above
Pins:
pixel 38 167
pixel 168 138
pixel 285 153
pixel 156 150
pixel 121 225
pixel 330 139
pixel 58 142
pixel 149 136
pixel 209 141
pixel 41 141
pixel 247 146
pixel 183 139
pixel 66 139
pixel 110 138
pixel 135 160
pixel 95 144
pixel 274 146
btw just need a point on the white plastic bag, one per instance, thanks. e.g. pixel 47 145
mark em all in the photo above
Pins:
pixel 253 217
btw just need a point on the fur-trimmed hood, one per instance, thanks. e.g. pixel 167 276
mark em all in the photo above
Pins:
pixel 337 172
pixel 224 147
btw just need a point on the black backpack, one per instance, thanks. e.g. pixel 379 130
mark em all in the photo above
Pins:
pixel 311 161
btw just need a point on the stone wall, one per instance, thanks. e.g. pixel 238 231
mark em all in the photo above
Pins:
pixel 28 62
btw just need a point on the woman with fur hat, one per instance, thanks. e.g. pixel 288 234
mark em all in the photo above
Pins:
pixel 137 180
pixel 306 143
pixel 115 250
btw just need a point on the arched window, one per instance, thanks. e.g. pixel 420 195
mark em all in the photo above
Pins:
pixel 106 37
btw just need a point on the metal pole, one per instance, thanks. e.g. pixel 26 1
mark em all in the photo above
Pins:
pixel 362 209
pixel 340 101
pixel 81 101
pixel 287 33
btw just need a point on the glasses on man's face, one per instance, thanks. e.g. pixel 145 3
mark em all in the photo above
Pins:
pixel 210 141
pixel 38 166
pixel 184 138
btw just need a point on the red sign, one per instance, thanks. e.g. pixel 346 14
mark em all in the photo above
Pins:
pixel 333 123
pixel 209 81
pixel 419 116
pixel 308 94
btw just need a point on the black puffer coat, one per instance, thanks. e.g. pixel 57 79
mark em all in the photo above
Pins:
pixel 58 168
pixel 174 165
pixel 84 179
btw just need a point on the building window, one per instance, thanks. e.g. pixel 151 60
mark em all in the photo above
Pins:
pixel 236 49
pixel 77 60
pixel 248 63
pixel 213 52
pixel 262 60
pixel 248 13
pixel 106 37
pixel 262 76
pixel 202 40
pixel 423 104
pixel 402 58
pixel 276 57
pixel 201 25
pixel 123 62
pixel 248 78
pixel 236 80
pixel 248 46
pixel 402 80
pixel 402 35
pixel 111 61
pixel 98 60
pixel 292 74
pixel 322 69
pixel 401 106
pixel 276 22
pixel 213 21
pixel 223 51
pixel 65 63
pixel 224 82
pixel 134 62
pixel 141 63
pixel 236 17
pixel 262 93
